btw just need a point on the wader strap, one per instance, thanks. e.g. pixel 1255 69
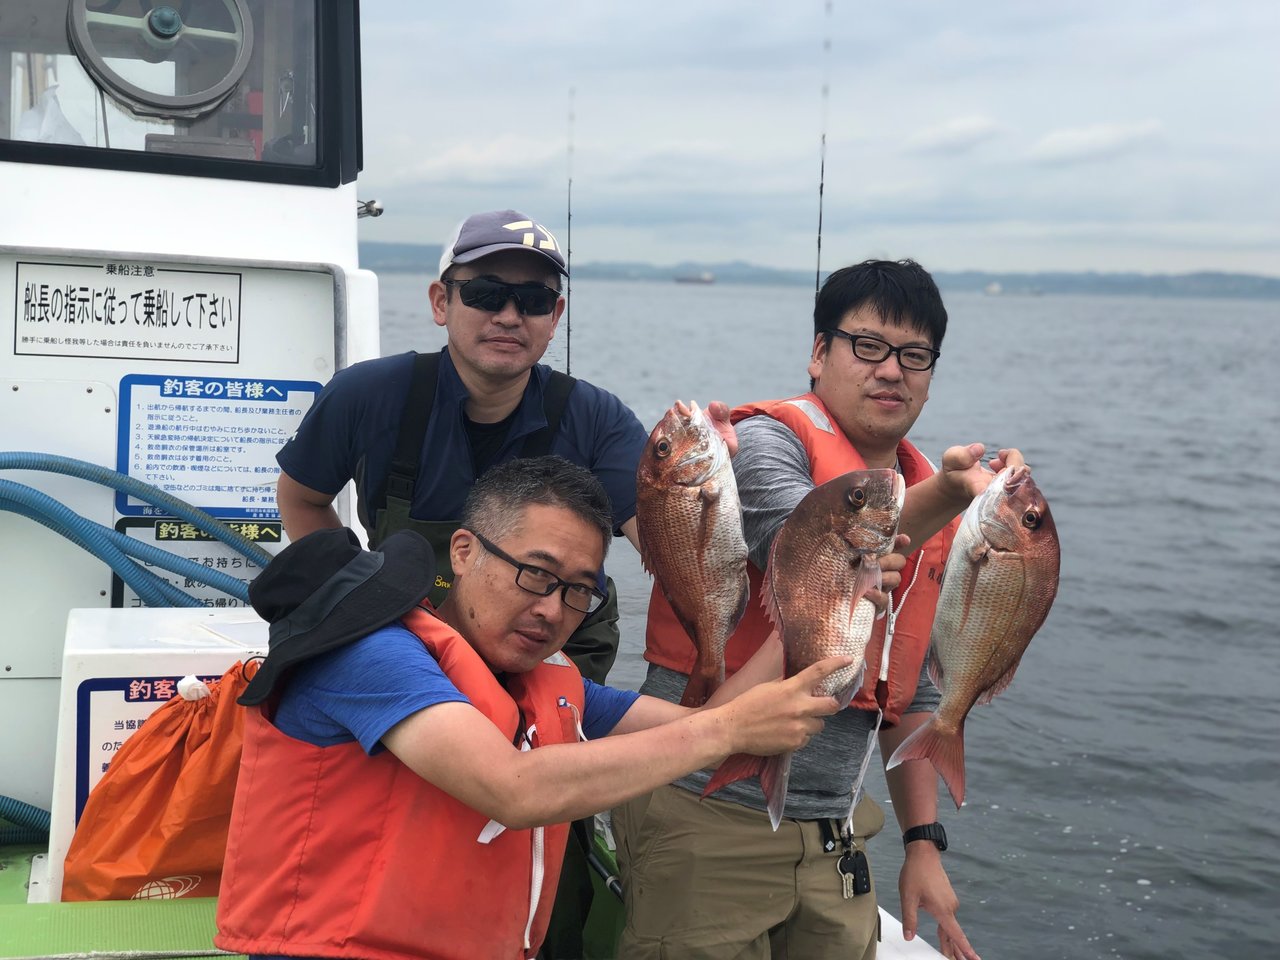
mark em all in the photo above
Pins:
pixel 403 475
pixel 554 399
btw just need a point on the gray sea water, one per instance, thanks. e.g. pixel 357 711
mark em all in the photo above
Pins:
pixel 1122 794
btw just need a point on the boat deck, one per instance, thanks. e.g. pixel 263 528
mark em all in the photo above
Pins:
pixel 163 929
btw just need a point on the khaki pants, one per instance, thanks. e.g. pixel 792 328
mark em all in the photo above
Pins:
pixel 711 880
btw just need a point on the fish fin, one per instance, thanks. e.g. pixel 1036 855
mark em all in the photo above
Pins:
pixel 709 494
pixel 768 599
pixel 944 750
pixel 845 697
pixel 646 556
pixel 868 577
pixel 708 516
pixel 936 671
pixel 774 778
pixel 1000 685
pixel 739 766
pixel 700 687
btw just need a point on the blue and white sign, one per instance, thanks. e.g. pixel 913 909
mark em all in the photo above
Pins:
pixel 211 441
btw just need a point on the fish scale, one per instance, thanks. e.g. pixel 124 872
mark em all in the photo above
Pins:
pixel 824 559
pixel 805 615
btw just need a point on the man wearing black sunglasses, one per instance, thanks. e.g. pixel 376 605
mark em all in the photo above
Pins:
pixel 415 430
pixel 806 890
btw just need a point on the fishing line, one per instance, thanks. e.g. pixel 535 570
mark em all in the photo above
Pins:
pixel 568 245
pixel 822 152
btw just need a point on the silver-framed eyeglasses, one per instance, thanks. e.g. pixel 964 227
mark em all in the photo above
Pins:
pixel 543 583
pixel 875 350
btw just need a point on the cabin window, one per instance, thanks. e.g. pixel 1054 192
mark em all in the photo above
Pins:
pixel 177 82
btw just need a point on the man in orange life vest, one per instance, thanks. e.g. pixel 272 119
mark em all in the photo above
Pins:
pixel 878 328
pixel 409 773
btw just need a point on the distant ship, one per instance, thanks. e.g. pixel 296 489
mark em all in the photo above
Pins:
pixel 705 276
pixel 993 289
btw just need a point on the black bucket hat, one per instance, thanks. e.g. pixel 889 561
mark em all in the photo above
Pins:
pixel 324 591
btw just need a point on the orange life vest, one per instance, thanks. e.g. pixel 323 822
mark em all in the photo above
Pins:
pixel 899 641
pixel 334 853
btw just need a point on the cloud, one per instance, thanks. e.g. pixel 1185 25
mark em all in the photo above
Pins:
pixel 1099 142
pixel 955 136
pixel 503 160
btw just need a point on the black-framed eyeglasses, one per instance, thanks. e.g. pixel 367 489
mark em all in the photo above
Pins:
pixel 543 583
pixel 486 293
pixel 875 350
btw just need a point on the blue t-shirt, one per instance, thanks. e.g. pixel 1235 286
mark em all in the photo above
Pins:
pixel 362 690
pixel 350 433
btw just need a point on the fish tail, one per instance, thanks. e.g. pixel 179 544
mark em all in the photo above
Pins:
pixel 739 766
pixel 773 782
pixel 944 750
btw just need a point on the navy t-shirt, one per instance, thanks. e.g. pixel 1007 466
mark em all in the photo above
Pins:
pixel 350 433
pixel 362 690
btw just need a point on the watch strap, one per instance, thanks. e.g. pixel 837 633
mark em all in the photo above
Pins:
pixel 932 832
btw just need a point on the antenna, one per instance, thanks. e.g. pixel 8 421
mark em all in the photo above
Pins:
pixel 568 246
pixel 822 152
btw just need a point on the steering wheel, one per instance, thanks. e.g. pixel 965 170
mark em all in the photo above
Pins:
pixel 161 34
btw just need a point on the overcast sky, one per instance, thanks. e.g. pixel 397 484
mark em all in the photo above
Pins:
pixel 991 135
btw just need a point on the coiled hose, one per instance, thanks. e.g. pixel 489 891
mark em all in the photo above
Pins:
pixel 113 547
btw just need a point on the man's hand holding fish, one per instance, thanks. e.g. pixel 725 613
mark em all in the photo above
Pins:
pixel 931 504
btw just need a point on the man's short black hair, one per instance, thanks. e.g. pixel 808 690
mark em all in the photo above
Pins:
pixel 497 500
pixel 900 291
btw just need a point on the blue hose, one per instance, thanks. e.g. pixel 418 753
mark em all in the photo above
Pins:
pixel 56 516
pixel 84 470
pixel 115 548
pixel 22 836
pixel 83 533
pixel 147 585
pixel 23 814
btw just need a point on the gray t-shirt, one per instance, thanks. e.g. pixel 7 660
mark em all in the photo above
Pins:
pixel 772 472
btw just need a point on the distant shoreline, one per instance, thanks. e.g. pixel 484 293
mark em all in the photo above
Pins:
pixel 422 258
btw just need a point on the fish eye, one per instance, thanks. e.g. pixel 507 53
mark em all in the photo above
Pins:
pixel 857 498
pixel 662 448
pixel 1031 520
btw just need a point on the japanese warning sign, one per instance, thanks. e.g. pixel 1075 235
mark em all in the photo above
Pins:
pixel 210 441
pixel 127 310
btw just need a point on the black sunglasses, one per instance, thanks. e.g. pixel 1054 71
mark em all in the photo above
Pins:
pixel 543 583
pixel 485 293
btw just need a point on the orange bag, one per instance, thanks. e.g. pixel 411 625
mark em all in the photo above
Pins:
pixel 155 826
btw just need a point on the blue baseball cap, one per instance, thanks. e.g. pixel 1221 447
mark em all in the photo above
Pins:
pixel 484 233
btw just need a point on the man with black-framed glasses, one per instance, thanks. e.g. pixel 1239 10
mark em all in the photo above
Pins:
pixel 409 772
pixel 414 431
pixel 806 889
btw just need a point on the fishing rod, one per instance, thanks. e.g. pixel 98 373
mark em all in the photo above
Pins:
pixel 568 246
pixel 822 151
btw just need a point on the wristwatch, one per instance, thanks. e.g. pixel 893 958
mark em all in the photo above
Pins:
pixel 927 831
